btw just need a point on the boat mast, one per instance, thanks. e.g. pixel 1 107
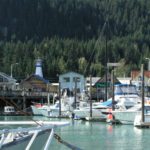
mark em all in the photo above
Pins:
pixel 113 99
pixel 106 59
pixel 90 96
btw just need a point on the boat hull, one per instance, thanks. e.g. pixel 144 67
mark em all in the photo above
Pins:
pixel 36 111
pixel 53 112
pixel 85 113
pixel 125 117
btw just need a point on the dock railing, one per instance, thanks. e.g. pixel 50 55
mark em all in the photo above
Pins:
pixel 20 93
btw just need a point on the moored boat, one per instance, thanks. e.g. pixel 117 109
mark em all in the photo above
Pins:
pixel 10 111
pixel 53 110
pixel 84 111
pixel 128 116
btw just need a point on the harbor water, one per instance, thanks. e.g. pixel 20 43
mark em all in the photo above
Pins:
pixel 94 135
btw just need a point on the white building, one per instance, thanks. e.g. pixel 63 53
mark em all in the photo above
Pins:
pixel 72 80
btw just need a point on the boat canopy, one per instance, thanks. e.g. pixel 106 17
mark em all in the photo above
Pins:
pixel 107 103
pixel 123 89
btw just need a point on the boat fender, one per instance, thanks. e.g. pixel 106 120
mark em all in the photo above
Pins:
pixel 110 116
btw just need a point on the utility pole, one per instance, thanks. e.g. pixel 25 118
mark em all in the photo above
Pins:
pixel 148 63
pixel 142 75
pixel 11 69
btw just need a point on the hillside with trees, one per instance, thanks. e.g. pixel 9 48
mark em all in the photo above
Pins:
pixel 71 35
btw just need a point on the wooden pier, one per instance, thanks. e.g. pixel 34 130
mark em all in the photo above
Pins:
pixel 22 99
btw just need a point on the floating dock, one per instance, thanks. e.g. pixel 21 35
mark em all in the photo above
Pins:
pixel 139 123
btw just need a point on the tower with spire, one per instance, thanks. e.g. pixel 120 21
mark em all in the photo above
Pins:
pixel 38 65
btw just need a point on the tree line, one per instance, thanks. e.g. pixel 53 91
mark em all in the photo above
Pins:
pixel 70 35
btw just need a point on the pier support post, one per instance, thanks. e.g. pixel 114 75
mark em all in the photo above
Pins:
pixel 24 102
pixel 90 96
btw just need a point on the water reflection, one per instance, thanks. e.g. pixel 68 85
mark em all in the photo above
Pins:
pixel 138 131
pixel 109 128
pixel 96 135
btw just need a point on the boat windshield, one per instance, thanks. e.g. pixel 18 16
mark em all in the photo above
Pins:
pixel 147 109
pixel 125 89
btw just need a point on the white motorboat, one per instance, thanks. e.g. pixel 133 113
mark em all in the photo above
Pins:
pixel 128 116
pixel 36 108
pixel 84 111
pixel 126 96
pixel 53 110
pixel 10 111
pixel 27 138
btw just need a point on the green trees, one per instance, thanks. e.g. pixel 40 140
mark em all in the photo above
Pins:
pixel 67 35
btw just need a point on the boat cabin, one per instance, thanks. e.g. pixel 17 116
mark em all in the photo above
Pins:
pixel 9 109
pixel 125 89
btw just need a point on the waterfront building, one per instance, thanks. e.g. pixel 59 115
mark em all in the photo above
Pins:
pixel 72 80
pixel 136 78
pixel 36 81
pixel 101 85
pixel 35 88
pixel 7 83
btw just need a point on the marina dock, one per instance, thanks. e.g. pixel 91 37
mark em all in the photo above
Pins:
pixel 23 99
pixel 138 122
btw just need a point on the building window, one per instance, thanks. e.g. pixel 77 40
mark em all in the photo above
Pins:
pixel 77 79
pixel 66 79
pixel 2 79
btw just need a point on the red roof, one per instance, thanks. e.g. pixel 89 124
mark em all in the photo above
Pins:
pixel 136 73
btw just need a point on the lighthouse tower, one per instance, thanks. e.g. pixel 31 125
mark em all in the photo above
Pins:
pixel 38 66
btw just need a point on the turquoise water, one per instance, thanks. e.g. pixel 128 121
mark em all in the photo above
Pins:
pixel 96 135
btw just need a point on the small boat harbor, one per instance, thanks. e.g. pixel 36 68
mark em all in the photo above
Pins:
pixel 71 98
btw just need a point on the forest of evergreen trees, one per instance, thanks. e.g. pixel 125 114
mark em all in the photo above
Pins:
pixel 73 35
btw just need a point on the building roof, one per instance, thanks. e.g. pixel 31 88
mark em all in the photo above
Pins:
pixel 94 80
pixel 137 73
pixel 7 78
pixel 36 82
pixel 102 82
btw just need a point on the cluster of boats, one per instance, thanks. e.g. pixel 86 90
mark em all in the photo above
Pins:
pixel 127 104
pixel 127 109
